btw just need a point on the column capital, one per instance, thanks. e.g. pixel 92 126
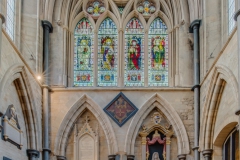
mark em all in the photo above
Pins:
pixel 61 158
pixel 2 17
pixel 207 153
pixel 111 157
pixel 130 157
pixel 46 23
pixel 236 14
pixel 182 157
pixel 194 23
pixel 32 153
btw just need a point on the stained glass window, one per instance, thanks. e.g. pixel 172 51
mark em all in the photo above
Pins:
pixel 107 53
pixel 10 19
pixel 95 7
pixel 83 53
pixel 134 53
pixel 231 11
pixel 120 9
pixel 146 7
pixel 158 54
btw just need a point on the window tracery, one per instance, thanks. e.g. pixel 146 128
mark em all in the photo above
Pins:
pixel 95 7
pixel 83 53
pixel 134 53
pixel 146 7
pixel 107 53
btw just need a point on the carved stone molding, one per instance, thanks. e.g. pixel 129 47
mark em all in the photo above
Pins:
pixel 61 158
pixel 111 157
pixel 32 153
pixel 130 157
pixel 182 157
pixel 207 153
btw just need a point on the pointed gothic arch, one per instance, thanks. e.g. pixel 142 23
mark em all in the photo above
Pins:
pixel 156 101
pixel 221 75
pixel 70 118
pixel 17 74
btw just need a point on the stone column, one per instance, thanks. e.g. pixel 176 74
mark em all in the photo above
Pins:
pixel 47 28
pixel 130 157
pixel 32 154
pixel 182 157
pixel 237 18
pixel 207 154
pixel 61 158
pixel 168 148
pixel 2 20
pixel 194 28
pixel 144 142
pixel 111 157
pixel 1 114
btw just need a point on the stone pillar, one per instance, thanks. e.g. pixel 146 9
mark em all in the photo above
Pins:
pixel 111 157
pixel 237 18
pixel 168 148
pixel 1 114
pixel 2 20
pixel 182 157
pixel 61 158
pixel 121 58
pixel 130 157
pixel 32 154
pixel 144 142
pixel 47 28
pixel 207 154
pixel 194 28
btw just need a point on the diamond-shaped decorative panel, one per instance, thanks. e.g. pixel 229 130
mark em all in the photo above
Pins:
pixel 120 109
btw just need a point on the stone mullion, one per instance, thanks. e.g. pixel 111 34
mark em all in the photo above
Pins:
pixel 121 61
pixel 146 58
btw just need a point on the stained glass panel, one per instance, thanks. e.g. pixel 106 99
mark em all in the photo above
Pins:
pixel 95 7
pixel 134 53
pixel 158 54
pixel 83 53
pixel 107 53
pixel 146 7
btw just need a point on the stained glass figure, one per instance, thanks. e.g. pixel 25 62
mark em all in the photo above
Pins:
pixel 146 7
pixel 83 53
pixel 107 53
pixel 95 7
pixel 134 53
pixel 158 54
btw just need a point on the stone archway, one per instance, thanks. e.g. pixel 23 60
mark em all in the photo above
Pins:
pixel 157 101
pixel 68 122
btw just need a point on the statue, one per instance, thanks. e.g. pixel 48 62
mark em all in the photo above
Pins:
pixel 12 116
pixel 155 156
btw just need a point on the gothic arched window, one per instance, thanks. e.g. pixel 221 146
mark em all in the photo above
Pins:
pixel 158 54
pixel 10 19
pixel 134 53
pixel 107 53
pixel 231 146
pixel 83 53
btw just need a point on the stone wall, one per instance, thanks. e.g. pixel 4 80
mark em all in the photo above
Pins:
pixel 27 99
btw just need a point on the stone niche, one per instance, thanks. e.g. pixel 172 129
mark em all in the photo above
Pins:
pixel 155 138
pixel 11 129
pixel 91 132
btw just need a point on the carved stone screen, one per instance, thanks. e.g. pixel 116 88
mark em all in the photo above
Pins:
pixel 86 148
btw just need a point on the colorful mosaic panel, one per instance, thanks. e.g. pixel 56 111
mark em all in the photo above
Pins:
pixel 158 54
pixel 95 7
pixel 146 7
pixel 107 53
pixel 120 109
pixel 134 53
pixel 83 53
